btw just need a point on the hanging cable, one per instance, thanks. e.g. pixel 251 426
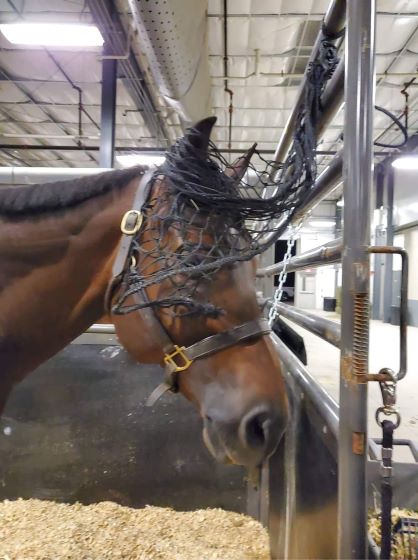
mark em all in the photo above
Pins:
pixel 401 127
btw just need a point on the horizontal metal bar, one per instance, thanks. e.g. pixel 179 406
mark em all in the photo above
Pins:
pixel 325 254
pixel 104 328
pixel 144 149
pixel 333 22
pixel 323 186
pixel 322 401
pixel 330 331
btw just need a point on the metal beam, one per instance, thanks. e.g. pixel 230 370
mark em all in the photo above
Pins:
pixel 327 176
pixel 325 254
pixel 114 34
pixel 105 328
pixel 34 102
pixel 323 186
pixel 324 404
pixel 108 111
pixel 330 331
pixel 334 23
pixel 379 239
pixel 358 137
pixel 390 234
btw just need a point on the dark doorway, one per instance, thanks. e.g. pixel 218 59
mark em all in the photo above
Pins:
pixel 289 286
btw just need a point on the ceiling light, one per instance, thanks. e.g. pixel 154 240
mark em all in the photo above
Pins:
pixel 129 160
pixel 406 162
pixel 340 203
pixel 322 223
pixel 52 34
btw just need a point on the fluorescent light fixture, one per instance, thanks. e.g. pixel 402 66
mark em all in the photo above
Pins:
pixel 406 162
pixel 322 223
pixel 340 203
pixel 52 34
pixel 129 160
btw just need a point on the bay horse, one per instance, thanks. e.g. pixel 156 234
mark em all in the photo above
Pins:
pixel 59 243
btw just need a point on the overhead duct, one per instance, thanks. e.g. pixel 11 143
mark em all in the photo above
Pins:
pixel 172 34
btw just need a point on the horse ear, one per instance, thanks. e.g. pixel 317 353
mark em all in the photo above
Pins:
pixel 199 134
pixel 239 167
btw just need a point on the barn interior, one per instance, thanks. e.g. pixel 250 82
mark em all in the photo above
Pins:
pixel 94 85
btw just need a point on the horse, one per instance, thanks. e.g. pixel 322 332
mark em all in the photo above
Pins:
pixel 60 245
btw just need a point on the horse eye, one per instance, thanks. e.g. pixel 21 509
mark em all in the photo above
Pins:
pixel 194 260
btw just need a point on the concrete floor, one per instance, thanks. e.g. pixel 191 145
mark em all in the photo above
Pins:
pixel 323 363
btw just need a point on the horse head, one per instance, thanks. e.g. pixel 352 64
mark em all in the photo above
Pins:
pixel 237 387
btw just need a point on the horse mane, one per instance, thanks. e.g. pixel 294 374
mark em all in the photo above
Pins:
pixel 49 197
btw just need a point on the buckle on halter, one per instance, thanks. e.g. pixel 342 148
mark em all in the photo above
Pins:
pixel 131 222
pixel 179 351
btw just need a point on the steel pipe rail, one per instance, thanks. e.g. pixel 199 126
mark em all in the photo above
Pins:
pixel 333 22
pixel 105 328
pixel 325 405
pixel 325 254
pixel 358 148
pixel 324 185
pixel 330 331
pixel 332 98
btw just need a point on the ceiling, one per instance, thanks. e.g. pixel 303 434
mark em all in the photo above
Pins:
pixel 174 74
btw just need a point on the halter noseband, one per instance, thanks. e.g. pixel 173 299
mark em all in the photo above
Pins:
pixel 176 358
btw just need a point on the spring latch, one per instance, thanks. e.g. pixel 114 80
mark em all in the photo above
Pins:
pixel 388 390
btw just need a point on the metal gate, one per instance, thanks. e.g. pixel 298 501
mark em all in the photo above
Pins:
pixel 315 491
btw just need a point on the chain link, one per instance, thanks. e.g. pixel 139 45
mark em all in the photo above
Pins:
pixel 283 273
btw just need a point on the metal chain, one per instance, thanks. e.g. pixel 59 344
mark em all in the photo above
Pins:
pixel 283 273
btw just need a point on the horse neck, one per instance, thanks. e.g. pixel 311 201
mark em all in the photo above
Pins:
pixel 55 270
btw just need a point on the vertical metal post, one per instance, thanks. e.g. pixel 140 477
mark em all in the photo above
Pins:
pixel 379 239
pixel 107 123
pixel 358 128
pixel 338 234
pixel 390 234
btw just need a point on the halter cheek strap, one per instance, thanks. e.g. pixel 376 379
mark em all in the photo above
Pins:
pixel 181 358
pixel 130 225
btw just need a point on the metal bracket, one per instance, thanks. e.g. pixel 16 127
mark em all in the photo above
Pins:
pixel 403 321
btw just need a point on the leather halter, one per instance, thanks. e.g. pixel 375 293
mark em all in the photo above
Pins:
pixel 176 358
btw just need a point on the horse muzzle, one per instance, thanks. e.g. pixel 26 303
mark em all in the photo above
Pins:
pixel 247 442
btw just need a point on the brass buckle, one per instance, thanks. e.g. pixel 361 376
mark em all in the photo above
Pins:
pixel 137 225
pixel 179 351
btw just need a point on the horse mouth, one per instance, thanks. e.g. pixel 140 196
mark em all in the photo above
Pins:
pixel 216 448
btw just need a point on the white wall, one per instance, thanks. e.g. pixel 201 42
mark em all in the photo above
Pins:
pixel 411 245
pixel 318 282
pixel 405 197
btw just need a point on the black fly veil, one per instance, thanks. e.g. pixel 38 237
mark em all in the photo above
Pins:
pixel 219 218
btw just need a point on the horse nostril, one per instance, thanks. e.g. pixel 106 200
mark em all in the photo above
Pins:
pixel 255 428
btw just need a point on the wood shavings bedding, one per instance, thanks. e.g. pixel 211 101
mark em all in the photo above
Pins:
pixel 37 529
